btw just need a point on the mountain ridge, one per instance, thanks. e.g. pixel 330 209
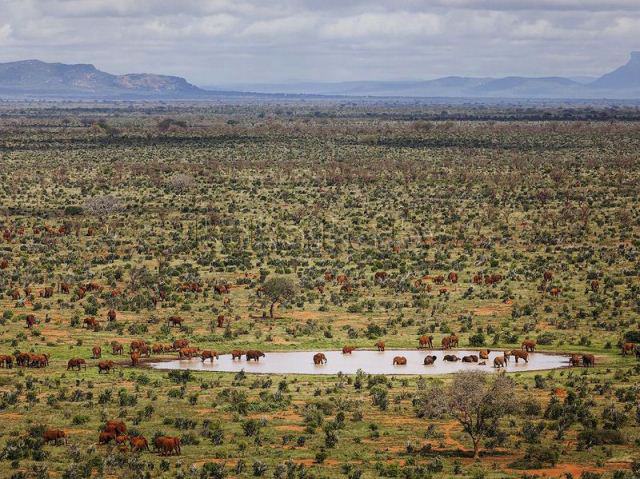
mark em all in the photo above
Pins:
pixel 622 83
pixel 38 79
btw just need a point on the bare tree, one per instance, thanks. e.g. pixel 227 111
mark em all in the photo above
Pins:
pixel 181 182
pixel 102 207
pixel 475 399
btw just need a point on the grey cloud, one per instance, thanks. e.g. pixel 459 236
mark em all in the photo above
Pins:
pixel 221 41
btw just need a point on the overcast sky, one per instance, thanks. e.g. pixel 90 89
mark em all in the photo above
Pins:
pixel 224 41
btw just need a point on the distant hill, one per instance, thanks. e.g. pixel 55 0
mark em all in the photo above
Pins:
pixel 623 83
pixel 625 77
pixel 37 78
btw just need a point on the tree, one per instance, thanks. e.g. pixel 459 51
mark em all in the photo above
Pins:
pixel 102 207
pixel 475 399
pixel 181 182
pixel 277 290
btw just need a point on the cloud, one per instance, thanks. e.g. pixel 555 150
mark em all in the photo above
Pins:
pixel 222 41
pixel 281 26
pixel 210 25
pixel 5 32
pixel 395 24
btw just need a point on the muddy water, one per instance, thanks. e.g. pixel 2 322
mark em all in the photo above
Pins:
pixel 372 362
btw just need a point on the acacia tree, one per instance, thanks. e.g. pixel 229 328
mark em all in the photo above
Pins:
pixel 475 399
pixel 102 207
pixel 277 290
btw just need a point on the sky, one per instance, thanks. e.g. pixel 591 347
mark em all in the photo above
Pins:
pixel 218 42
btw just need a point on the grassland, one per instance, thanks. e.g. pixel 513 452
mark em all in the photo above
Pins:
pixel 153 197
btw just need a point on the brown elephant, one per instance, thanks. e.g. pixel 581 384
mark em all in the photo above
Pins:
pixel 380 345
pixel 348 349
pixel 22 359
pixel 453 277
pixel 220 320
pixel 136 344
pixel 116 426
pixel 499 362
pixel 76 363
pixel 116 347
pixel 472 358
pixel 547 276
pixel 529 345
pixel 425 342
pixel 206 354
pixel 484 353
pixel 254 354
pixel 575 360
pixel 428 360
pixel 588 360
pixel 38 360
pixel 319 358
pixel 175 321
pixel 628 348
pixel 179 344
pixel 54 435
pixel 187 353
pixel 519 354
pixel 96 352
pixel 135 358
pixel 138 443
pixel 157 348
pixel 144 350
pixel 90 322
pixel 399 361
pixel 111 315
pixel 237 354
pixel 167 445
pixel 6 361
pixel 105 366
pixel 446 342
pixel 450 357
pixel 31 320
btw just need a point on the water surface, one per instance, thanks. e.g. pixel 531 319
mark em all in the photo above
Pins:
pixel 372 362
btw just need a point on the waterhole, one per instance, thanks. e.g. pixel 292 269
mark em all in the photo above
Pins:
pixel 371 362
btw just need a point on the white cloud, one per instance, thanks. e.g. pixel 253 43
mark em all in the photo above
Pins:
pixel 215 41
pixel 394 24
pixel 210 25
pixel 281 26
pixel 5 31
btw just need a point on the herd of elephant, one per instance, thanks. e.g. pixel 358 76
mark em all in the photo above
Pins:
pixel 527 346
pixel 480 358
pixel 140 348
pixel 115 431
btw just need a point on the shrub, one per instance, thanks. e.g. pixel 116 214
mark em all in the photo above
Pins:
pixel 597 437
pixel 538 457
pixel 259 468
pixel 477 340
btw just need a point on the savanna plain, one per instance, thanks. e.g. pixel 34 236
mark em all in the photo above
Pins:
pixel 143 232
